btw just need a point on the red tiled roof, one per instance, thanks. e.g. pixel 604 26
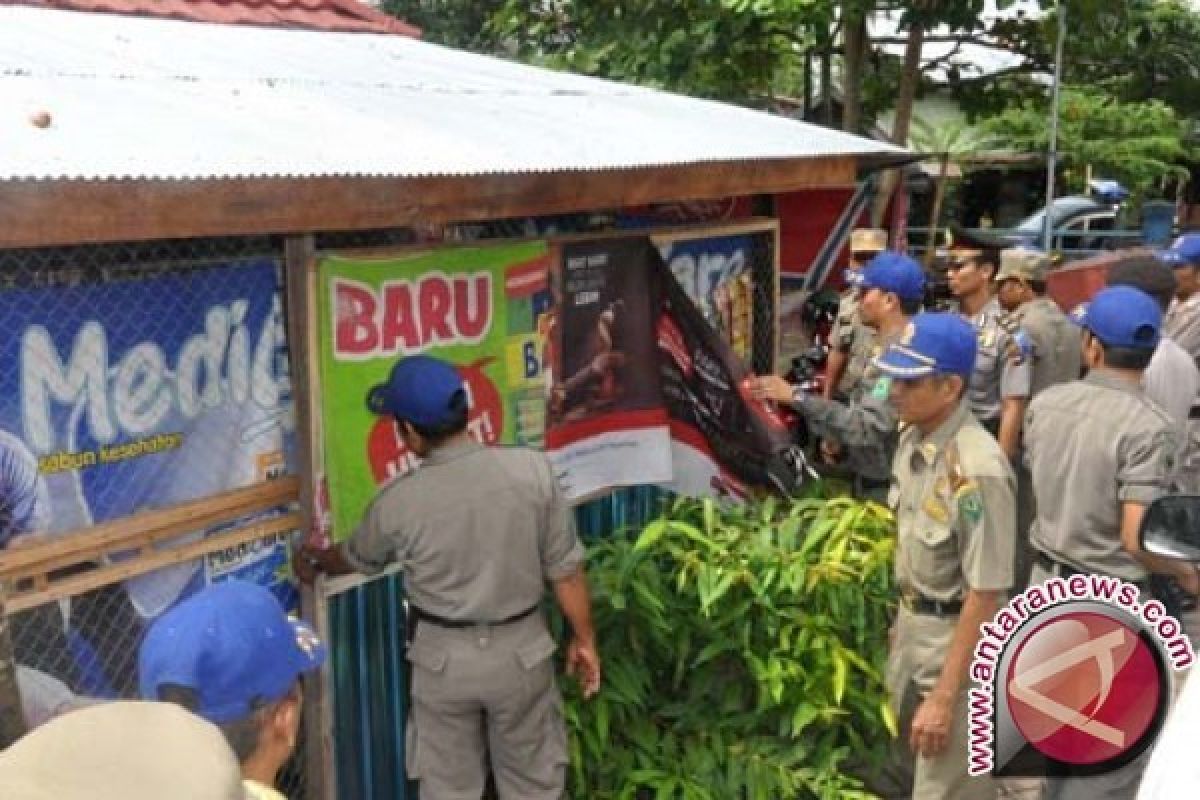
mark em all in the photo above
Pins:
pixel 321 15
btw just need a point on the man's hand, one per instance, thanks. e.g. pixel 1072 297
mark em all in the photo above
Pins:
pixel 1189 580
pixel 831 451
pixel 583 663
pixel 771 387
pixel 931 724
pixel 309 561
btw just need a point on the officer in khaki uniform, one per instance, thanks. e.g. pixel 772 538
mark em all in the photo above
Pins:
pixel 1054 358
pixel 479 532
pixel 853 341
pixel 862 431
pixel 1100 453
pixel 1000 385
pixel 952 495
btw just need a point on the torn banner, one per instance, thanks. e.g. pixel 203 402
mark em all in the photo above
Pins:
pixel 643 390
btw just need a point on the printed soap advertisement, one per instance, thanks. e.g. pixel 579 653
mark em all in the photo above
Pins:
pixel 482 308
pixel 131 395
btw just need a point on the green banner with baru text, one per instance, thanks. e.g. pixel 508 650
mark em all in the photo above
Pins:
pixel 477 307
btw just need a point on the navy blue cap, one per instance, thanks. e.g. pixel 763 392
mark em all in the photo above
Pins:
pixel 1187 248
pixel 893 272
pixel 933 344
pixel 233 645
pixel 420 390
pixel 1121 316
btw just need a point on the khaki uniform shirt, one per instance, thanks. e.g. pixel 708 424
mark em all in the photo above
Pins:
pixel 1092 445
pixel 953 497
pixel 1056 344
pixel 478 532
pixel 865 427
pixel 1002 364
pixel 1182 324
pixel 854 338
pixel 256 791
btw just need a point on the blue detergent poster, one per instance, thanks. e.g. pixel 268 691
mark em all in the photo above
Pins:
pixel 141 393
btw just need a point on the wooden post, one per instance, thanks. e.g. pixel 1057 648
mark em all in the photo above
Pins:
pixel 300 278
pixel 12 717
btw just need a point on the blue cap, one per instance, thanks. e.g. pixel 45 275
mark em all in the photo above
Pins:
pixel 1121 316
pixel 933 344
pixel 420 390
pixel 893 272
pixel 1187 249
pixel 233 645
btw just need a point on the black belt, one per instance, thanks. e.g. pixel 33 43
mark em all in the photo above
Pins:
pixel 920 604
pixel 421 615
pixel 872 484
pixel 1056 567
pixel 1064 570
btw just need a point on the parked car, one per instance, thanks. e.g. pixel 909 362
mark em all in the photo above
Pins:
pixel 1078 223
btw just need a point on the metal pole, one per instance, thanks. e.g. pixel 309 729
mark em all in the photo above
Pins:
pixel 1052 155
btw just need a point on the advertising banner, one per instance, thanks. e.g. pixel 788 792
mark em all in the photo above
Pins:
pixel 646 390
pixel 714 271
pixel 482 308
pixel 607 425
pixel 140 393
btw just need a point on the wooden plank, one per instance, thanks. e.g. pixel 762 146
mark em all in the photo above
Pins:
pixel 82 544
pixel 157 209
pixel 300 265
pixel 115 573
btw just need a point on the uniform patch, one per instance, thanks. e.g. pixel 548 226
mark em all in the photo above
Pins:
pixel 935 509
pixel 882 387
pixel 970 503
pixel 987 337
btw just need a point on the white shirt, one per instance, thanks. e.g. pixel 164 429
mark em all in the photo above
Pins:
pixel 1172 381
pixel 1174 771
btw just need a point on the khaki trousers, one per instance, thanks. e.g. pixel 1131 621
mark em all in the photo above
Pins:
pixel 914 664
pixel 486 693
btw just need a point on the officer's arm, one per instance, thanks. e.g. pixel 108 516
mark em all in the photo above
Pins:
pixel 1016 381
pixel 986 507
pixel 835 367
pixel 573 598
pixel 1144 473
pixel 869 423
pixel 1012 413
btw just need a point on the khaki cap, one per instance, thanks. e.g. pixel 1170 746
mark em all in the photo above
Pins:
pixel 868 240
pixel 127 750
pixel 1022 263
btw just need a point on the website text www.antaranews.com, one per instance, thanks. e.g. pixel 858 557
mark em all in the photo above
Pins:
pixel 995 637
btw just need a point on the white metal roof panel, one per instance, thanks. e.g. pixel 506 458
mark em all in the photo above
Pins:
pixel 151 98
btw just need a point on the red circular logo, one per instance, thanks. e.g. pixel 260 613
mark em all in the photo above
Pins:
pixel 1084 688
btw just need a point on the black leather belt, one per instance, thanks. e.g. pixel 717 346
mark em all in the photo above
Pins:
pixel 872 484
pixel 1056 567
pixel 1063 570
pixel 920 604
pixel 421 615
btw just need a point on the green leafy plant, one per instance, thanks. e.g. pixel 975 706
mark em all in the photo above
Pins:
pixel 743 652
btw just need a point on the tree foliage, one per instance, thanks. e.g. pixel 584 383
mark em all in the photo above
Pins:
pixel 732 49
pixel 1139 143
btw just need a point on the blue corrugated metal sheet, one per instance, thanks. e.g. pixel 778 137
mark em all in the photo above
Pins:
pixel 370 673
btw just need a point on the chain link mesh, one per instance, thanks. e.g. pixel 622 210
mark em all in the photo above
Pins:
pixel 122 316
pixel 74 650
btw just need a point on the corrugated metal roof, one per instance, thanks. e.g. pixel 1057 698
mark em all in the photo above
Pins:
pixel 321 15
pixel 150 98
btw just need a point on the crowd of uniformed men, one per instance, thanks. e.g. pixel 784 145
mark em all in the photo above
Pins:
pixel 1013 443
